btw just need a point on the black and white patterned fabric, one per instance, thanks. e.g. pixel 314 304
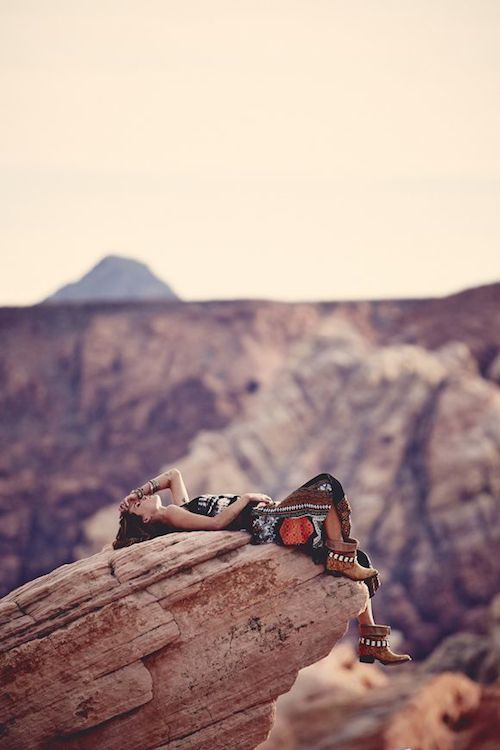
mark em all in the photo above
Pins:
pixel 210 505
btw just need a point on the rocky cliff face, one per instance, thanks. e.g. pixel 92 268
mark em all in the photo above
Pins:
pixel 449 701
pixel 178 643
pixel 399 399
pixel 95 398
pixel 415 437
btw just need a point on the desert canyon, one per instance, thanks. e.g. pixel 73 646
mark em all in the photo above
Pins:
pixel 398 398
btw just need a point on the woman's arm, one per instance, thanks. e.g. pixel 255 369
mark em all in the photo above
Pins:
pixel 178 488
pixel 183 519
pixel 163 480
pixel 171 479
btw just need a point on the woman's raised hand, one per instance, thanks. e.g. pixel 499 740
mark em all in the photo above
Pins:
pixel 125 503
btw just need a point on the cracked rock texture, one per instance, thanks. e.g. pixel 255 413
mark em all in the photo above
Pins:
pixel 178 643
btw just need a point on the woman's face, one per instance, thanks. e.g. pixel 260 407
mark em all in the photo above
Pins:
pixel 146 506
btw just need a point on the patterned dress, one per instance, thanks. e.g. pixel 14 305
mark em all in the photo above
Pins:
pixel 297 520
pixel 212 505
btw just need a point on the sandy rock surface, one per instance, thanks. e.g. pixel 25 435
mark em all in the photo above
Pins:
pixel 178 643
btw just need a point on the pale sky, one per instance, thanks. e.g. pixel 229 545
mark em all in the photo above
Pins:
pixel 279 149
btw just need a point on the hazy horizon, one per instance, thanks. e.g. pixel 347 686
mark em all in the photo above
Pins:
pixel 228 297
pixel 278 150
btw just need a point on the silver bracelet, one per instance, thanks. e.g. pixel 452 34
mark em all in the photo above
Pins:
pixel 155 485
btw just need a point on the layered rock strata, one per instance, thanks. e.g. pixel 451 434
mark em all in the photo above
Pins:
pixel 178 643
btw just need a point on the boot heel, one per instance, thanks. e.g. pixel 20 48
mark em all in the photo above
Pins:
pixel 367 659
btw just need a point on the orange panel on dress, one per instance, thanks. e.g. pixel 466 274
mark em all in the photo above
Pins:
pixel 296 530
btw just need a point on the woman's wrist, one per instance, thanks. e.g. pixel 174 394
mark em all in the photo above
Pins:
pixel 145 490
pixel 161 482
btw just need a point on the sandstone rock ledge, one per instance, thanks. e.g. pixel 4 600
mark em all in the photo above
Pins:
pixel 179 643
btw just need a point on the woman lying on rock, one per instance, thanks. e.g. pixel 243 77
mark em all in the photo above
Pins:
pixel 316 517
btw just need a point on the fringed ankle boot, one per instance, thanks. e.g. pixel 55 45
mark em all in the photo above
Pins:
pixel 341 560
pixel 374 644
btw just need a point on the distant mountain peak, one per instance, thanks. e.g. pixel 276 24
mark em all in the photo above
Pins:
pixel 115 278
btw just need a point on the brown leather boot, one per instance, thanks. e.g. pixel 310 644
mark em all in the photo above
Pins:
pixel 374 644
pixel 341 560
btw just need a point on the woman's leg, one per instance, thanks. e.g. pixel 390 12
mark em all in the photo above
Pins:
pixel 366 616
pixel 334 531
pixel 332 524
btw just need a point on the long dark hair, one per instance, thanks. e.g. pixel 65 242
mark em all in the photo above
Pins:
pixel 132 530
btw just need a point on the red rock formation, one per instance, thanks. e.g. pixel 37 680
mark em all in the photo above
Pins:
pixel 178 643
